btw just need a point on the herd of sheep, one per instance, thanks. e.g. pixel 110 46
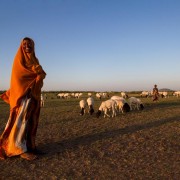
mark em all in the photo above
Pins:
pixel 164 94
pixel 114 105
pixel 117 104
pixel 101 95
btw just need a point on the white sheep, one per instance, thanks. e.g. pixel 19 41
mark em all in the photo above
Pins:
pixel 176 93
pixel 67 95
pixel 98 95
pixel 117 97
pixel 145 94
pixel 124 95
pixel 135 103
pixel 90 102
pixel 122 104
pixel 83 105
pixel 105 95
pixel 78 95
pixel 105 106
pixel 73 95
pixel 163 94
pixel 60 95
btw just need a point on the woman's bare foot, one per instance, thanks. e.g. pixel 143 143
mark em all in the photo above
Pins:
pixel 2 154
pixel 2 157
pixel 28 156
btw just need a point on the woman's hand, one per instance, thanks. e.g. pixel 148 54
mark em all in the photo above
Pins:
pixel 40 77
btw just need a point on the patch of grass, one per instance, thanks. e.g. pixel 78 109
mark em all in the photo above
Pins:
pixel 136 145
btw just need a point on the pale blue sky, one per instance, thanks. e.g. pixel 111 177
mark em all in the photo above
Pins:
pixel 99 45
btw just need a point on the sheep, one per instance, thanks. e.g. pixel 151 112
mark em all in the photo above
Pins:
pixel 117 97
pixel 98 95
pixel 176 93
pixel 67 95
pixel 163 94
pixel 105 95
pixel 145 94
pixel 135 103
pixel 124 95
pixel 89 94
pixel 82 104
pixel 78 95
pixel 105 106
pixel 60 95
pixel 73 95
pixel 122 104
pixel 119 105
pixel 90 102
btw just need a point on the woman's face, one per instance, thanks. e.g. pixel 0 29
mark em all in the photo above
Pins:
pixel 27 46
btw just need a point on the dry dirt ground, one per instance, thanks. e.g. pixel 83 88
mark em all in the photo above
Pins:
pixel 136 145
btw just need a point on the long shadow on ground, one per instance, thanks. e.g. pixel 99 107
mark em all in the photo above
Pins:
pixel 59 147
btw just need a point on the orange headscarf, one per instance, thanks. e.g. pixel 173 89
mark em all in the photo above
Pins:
pixel 26 74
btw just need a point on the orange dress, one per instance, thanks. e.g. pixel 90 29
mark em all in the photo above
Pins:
pixel 24 100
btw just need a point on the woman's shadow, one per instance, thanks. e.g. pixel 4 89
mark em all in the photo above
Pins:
pixel 86 140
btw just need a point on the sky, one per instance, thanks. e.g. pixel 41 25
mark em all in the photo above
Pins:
pixel 95 45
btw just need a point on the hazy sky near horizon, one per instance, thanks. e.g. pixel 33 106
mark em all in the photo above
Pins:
pixel 95 45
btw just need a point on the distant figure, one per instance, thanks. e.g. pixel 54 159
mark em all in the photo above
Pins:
pixel 155 93
pixel 23 96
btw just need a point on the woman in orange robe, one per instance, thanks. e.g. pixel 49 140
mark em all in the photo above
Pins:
pixel 24 98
